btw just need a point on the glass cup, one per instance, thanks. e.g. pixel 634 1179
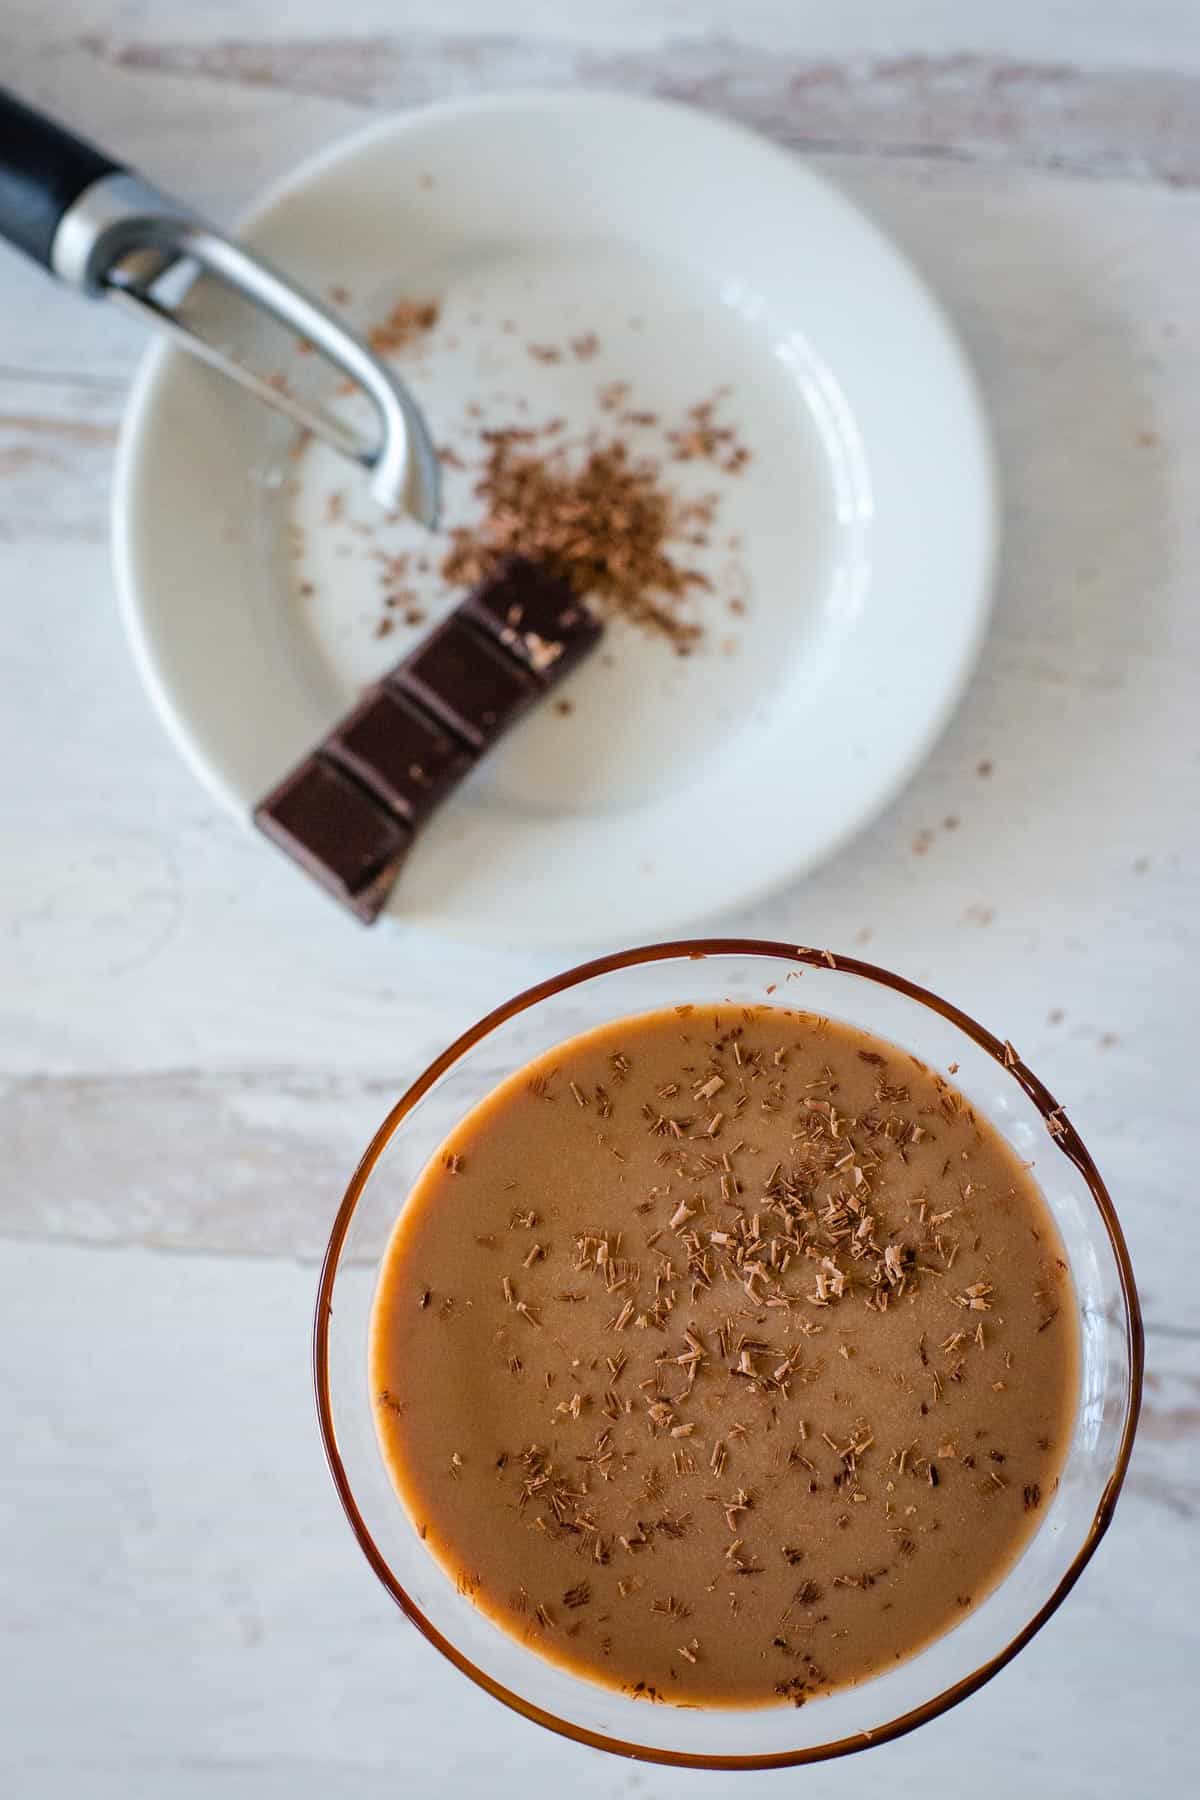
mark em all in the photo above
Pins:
pixel 998 1084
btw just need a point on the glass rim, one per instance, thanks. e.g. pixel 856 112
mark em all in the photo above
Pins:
pixel 1063 1135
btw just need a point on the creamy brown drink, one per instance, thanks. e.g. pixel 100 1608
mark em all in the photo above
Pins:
pixel 725 1356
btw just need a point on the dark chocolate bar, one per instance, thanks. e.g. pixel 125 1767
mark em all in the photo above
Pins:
pixel 397 751
pixel 463 680
pixel 345 839
pixel 536 617
pixel 348 812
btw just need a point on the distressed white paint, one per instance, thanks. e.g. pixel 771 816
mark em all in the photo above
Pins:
pixel 193 1046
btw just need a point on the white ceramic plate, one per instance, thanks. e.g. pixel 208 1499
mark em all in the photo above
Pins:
pixel 857 543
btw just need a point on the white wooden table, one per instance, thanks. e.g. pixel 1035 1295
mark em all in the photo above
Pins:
pixel 195 1046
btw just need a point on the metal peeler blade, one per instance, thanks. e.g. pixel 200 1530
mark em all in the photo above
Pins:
pixel 86 219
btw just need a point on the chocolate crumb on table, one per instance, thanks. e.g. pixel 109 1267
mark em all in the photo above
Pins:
pixel 347 813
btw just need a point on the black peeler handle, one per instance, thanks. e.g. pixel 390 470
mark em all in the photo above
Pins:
pixel 43 171
pixel 82 216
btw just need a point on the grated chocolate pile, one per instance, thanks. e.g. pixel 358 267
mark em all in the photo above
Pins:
pixel 604 521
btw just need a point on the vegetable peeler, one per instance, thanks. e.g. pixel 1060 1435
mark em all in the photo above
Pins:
pixel 103 229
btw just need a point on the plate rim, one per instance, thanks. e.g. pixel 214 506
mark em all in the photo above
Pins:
pixel 654 915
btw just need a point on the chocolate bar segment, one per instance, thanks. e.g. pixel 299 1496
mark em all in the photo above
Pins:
pixel 347 814
pixel 536 617
pixel 458 676
pixel 337 833
pixel 399 753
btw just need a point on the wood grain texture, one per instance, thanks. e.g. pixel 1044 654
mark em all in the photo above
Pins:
pixel 1135 123
pixel 194 1047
